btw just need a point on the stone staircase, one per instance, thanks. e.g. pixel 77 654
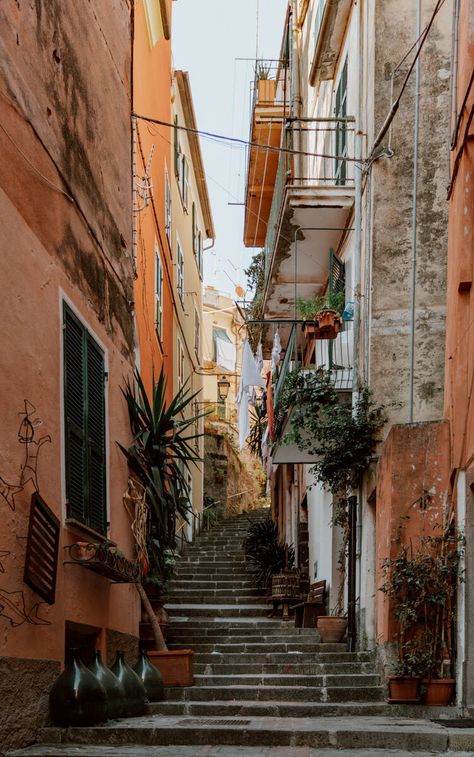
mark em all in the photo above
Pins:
pixel 260 683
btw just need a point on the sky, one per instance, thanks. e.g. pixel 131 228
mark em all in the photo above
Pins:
pixel 209 36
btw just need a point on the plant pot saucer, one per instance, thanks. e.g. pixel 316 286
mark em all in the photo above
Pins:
pixel 404 701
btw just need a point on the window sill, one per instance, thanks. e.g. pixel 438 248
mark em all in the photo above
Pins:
pixel 83 530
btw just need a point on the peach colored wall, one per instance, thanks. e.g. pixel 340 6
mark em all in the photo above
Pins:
pixel 413 459
pixel 59 101
pixel 459 396
pixel 152 97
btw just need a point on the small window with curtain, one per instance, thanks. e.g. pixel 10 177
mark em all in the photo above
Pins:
pixel 158 293
pixel 84 421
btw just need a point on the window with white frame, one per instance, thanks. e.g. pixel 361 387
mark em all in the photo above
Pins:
pixel 180 271
pixel 167 208
pixel 183 179
pixel 197 335
pixel 158 293
pixel 180 364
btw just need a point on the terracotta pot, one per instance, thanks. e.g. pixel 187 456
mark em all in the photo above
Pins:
pixel 438 691
pixel 331 628
pixel 403 688
pixel 175 666
pixel 328 324
pixel 266 90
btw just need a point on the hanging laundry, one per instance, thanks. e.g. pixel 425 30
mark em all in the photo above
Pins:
pixel 276 351
pixel 225 354
pixel 249 378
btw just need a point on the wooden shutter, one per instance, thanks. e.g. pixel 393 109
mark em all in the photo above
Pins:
pixel 96 435
pixel 74 406
pixel 176 146
pixel 337 275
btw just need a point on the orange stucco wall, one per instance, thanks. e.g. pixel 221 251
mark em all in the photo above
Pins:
pixel 152 97
pixel 414 461
pixel 65 219
pixel 459 396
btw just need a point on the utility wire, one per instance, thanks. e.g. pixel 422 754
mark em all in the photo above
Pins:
pixel 243 142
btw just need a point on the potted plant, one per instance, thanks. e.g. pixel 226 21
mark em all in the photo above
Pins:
pixel 322 315
pixel 266 87
pixel 159 456
pixel 421 582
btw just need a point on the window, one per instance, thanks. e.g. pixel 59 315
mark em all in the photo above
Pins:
pixel 197 241
pixel 158 293
pixel 154 20
pixel 180 364
pixel 197 335
pixel 180 271
pixel 318 20
pixel 340 111
pixel 84 420
pixel 200 253
pixel 177 148
pixel 167 208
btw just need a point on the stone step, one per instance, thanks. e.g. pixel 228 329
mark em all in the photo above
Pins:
pixel 223 598
pixel 285 658
pixel 235 639
pixel 181 750
pixel 218 610
pixel 219 630
pixel 293 693
pixel 339 733
pixel 288 668
pixel 270 647
pixel 227 572
pixel 349 681
pixel 218 624
pixel 233 708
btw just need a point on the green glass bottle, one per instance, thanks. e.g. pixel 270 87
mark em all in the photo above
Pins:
pixel 113 688
pixel 77 698
pixel 133 686
pixel 151 677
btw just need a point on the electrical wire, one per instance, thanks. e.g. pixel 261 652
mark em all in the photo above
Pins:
pixel 241 142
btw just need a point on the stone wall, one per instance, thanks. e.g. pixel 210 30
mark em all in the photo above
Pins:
pixel 24 687
pixel 228 472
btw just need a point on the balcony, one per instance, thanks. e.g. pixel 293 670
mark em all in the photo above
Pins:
pixel 335 356
pixel 310 215
pixel 268 112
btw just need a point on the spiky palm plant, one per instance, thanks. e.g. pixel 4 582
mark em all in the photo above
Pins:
pixel 160 454
pixel 265 552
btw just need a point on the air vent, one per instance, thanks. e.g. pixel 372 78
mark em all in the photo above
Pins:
pixel 42 550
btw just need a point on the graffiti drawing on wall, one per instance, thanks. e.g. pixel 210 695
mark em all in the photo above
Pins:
pixel 13 603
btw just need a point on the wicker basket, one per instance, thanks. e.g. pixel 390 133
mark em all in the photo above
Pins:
pixel 286 584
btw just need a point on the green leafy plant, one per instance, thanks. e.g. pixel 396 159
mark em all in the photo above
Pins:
pixel 307 309
pixel 265 552
pixel 257 430
pixel 255 274
pixel 161 452
pixel 210 512
pixel 421 582
pixel 263 71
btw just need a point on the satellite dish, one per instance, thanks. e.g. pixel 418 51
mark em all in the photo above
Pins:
pixel 239 291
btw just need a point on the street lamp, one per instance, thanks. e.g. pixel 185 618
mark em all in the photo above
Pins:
pixel 223 386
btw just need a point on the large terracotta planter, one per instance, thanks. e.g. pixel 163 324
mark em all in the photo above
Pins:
pixel 266 90
pixel 403 689
pixel 175 666
pixel 438 691
pixel 331 628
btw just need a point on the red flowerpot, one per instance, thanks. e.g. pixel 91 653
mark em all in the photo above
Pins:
pixel 328 324
pixel 438 692
pixel 403 688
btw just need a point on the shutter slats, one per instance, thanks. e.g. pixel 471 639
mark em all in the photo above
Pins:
pixel 85 425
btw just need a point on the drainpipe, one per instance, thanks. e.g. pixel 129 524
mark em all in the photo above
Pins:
pixel 454 72
pixel 296 101
pixel 136 339
pixel 411 358
pixel 351 575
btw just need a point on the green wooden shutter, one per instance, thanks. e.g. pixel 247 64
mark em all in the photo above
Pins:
pixel 84 403
pixel 74 407
pixel 340 111
pixel 176 146
pixel 96 436
pixel 337 276
pixel 193 220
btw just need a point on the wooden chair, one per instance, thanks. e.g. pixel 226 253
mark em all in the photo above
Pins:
pixel 307 612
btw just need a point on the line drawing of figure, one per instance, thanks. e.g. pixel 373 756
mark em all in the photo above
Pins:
pixel 8 491
pixel 3 553
pixel 13 607
pixel 26 436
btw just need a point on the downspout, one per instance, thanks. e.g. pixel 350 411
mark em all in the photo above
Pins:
pixel 296 102
pixel 136 347
pixel 411 358
pixel 454 72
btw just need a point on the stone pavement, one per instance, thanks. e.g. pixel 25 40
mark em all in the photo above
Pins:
pixel 220 751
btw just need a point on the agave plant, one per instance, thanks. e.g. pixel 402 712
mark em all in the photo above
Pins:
pixel 257 431
pixel 159 456
pixel 265 552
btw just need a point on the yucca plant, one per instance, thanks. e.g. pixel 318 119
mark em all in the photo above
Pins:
pixel 161 452
pixel 265 552
pixel 257 431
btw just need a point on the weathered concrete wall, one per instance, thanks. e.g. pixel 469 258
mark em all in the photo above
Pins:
pixel 392 213
pixel 228 472
pixel 65 215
